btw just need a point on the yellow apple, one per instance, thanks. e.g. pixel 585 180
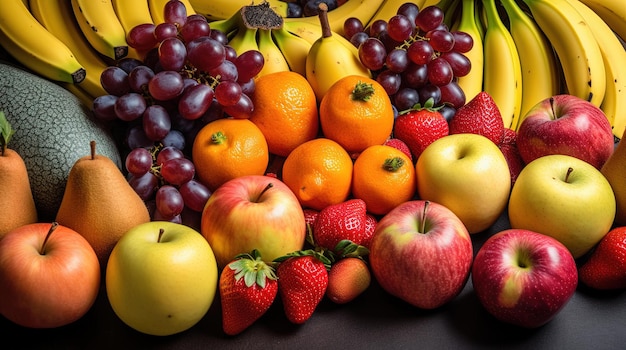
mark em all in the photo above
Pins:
pixel 161 278
pixel 563 197
pixel 468 174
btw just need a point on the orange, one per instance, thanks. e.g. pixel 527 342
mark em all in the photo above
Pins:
pixel 383 178
pixel 357 113
pixel 285 109
pixel 228 148
pixel 319 172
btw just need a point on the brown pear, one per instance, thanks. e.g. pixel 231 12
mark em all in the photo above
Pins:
pixel 99 203
pixel 17 206
pixel 614 169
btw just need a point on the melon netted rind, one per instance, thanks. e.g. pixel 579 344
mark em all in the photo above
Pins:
pixel 53 129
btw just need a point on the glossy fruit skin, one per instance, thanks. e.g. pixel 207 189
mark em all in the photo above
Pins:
pixel 346 220
pixel 569 125
pixel 47 290
pixel 347 279
pixel 606 267
pixel 244 304
pixel 418 129
pixel 421 253
pixel 479 116
pixel 302 285
pixel 523 277
pixel 356 121
pixel 242 215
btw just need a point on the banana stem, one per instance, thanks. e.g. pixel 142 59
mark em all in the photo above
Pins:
pixel 323 16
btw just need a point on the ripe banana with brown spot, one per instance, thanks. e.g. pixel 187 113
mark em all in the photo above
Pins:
pixel 33 46
pixel 576 48
pixel 101 27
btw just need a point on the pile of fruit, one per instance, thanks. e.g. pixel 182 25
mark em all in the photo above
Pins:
pixel 303 157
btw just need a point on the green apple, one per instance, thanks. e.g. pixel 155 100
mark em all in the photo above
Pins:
pixel 468 174
pixel 161 277
pixel 563 197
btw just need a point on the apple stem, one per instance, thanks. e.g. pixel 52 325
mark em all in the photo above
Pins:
pixel 552 107
pixel 569 171
pixel 161 231
pixel 92 149
pixel 269 185
pixel 53 227
pixel 423 221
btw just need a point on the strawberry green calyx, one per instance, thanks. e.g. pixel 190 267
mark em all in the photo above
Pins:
pixel 308 252
pixel 252 268
pixel 393 164
pixel 362 92
pixel 6 131
pixel 348 249
pixel 429 105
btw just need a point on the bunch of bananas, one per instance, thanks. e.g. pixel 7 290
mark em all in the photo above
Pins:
pixel 527 50
pixel 72 42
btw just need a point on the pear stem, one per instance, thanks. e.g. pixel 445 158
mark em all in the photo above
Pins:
pixel 92 146
pixel 53 227
pixel 323 16
pixel 161 232
pixel 569 171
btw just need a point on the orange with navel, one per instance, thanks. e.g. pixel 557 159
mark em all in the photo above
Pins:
pixel 319 172
pixel 383 177
pixel 356 112
pixel 227 148
pixel 285 109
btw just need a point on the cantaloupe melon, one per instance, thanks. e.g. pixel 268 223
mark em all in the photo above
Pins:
pixel 52 130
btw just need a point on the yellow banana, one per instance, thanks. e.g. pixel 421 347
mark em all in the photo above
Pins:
pixel 294 48
pixel 244 40
pixel 57 17
pixel 221 9
pixel 330 60
pixel 156 9
pixel 540 78
pixel 101 27
pixel 388 9
pixel 575 46
pixel 502 74
pixel 472 83
pixel 614 55
pixel 22 36
pixel 274 59
pixel 85 97
pixel 361 9
pixel 613 12
pixel 132 13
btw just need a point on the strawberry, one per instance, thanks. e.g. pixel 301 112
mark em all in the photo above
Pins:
pixel 479 116
pixel 247 287
pixel 347 279
pixel 419 127
pixel 606 266
pixel 336 222
pixel 370 226
pixel 508 146
pixel 302 283
pixel 399 144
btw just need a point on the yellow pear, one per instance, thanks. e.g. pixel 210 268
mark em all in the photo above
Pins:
pixel 614 169
pixel 100 204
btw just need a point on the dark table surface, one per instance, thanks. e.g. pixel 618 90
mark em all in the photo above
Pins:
pixel 591 320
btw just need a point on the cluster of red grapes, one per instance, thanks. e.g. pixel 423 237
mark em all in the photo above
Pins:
pixel 414 56
pixel 188 77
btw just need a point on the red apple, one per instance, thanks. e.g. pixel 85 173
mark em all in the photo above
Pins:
pixel 566 124
pixel 49 275
pixel 253 212
pixel 523 277
pixel 421 253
